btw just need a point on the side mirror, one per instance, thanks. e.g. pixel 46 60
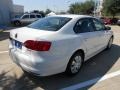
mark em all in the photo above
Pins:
pixel 107 28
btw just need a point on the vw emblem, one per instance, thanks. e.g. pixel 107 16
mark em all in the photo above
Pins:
pixel 16 35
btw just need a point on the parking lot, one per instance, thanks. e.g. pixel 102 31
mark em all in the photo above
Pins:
pixel 102 72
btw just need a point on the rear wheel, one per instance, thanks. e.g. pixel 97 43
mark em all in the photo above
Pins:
pixel 75 64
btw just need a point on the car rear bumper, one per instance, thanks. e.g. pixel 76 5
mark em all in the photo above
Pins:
pixel 37 66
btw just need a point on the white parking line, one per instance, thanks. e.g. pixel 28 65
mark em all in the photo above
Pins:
pixel 93 81
pixel 3 52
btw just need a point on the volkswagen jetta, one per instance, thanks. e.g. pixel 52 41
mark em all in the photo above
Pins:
pixel 58 43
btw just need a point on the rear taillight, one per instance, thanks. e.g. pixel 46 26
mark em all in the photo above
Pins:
pixel 37 45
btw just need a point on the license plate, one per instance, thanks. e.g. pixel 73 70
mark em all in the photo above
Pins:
pixel 16 43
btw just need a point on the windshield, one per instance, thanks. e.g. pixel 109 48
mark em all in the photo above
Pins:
pixel 50 23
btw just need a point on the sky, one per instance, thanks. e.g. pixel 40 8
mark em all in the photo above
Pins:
pixel 55 5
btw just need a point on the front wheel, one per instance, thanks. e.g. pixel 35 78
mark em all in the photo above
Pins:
pixel 110 43
pixel 17 23
pixel 74 64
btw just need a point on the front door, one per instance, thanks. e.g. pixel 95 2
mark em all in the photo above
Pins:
pixel 85 30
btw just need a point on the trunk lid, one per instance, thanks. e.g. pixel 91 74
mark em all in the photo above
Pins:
pixel 25 33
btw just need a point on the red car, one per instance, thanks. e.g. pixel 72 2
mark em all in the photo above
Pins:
pixel 107 21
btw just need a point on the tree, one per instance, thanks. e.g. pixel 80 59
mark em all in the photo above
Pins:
pixel 111 7
pixel 62 12
pixel 35 11
pixel 74 8
pixel 48 11
pixel 39 12
pixel 82 8
pixel 42 13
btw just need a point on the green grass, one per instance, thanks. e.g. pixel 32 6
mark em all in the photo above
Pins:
pixel 1 31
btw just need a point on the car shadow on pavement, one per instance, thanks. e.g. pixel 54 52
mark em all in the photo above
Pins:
pixel 4 35
pixel 97 66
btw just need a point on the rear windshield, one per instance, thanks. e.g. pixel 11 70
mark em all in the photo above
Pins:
pixel 50 23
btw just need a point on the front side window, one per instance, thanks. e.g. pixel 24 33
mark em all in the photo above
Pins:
pixel 50 23
pixel 25 17
pixel 83 25
pixel 98 25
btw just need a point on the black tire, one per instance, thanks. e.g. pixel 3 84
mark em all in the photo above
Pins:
pixel 71 68
pixel 110 43
pixel 17 23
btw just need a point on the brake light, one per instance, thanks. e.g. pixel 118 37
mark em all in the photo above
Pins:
pixel 37 45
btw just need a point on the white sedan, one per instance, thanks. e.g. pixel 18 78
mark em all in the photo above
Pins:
pixel 58 44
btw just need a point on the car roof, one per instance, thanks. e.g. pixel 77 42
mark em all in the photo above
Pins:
pixel 73 16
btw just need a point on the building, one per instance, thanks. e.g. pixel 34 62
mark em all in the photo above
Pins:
pixel 99 7
pixel 18 10
pixel 6 8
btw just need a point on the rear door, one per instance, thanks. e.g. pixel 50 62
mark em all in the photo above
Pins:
pixel 84 29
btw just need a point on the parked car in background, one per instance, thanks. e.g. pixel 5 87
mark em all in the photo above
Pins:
pixel 59 43
pixel 25 19
pixel 118 22
pixel 114 21
pixel 106 21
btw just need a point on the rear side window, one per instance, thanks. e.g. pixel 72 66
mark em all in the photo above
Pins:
pixel 32 16
pixel 83 25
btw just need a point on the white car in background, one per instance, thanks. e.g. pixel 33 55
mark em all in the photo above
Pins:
pixel 58 44
pixel 26 19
